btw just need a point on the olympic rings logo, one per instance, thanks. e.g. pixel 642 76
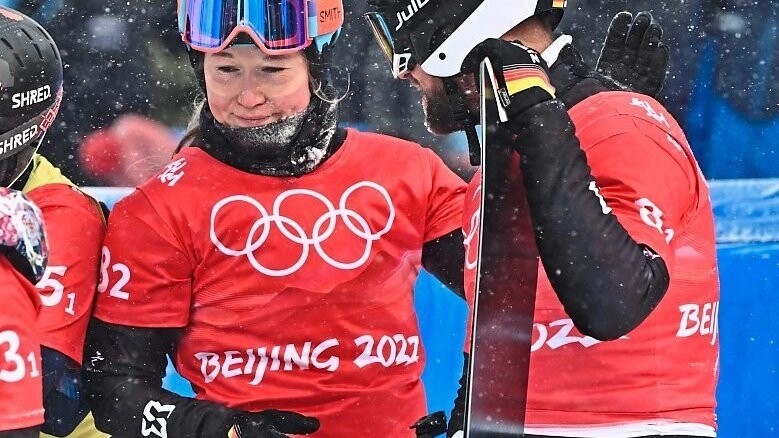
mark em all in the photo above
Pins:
pixel 323 228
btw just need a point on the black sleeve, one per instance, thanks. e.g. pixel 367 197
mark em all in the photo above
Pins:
pixel 445 258
pixel 607 282
pixel 457 419
pixel 123 371
pixel 61 393
pixel 30 432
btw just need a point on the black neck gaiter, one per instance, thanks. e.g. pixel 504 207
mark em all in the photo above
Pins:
pixel 293 146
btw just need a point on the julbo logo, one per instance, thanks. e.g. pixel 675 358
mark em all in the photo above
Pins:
pixel 412 9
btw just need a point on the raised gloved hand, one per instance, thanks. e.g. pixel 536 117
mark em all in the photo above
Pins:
pixel 22 234
pixel 272 424
pixel 521 73
pixel 633 54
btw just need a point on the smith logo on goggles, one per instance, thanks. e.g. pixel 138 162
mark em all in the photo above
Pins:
pixel 275 26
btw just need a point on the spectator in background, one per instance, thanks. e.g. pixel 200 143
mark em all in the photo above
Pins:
pixel 733 117
pixel 128 152
pixel 110 49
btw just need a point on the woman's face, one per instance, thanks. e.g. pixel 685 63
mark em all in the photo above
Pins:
pixel 247 87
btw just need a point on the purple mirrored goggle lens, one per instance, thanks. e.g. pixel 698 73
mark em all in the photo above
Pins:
pixel 276 25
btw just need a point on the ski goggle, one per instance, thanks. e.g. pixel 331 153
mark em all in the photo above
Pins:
pixel 275 26
pixel 392 46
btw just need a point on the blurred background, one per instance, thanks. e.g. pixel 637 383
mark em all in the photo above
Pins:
pixel 129 92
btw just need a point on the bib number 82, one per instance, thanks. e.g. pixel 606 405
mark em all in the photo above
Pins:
pixel 116 291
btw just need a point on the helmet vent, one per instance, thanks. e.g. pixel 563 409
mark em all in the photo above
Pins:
pixel 38 49
pixel 24 31
pixel 11 48
pixel 34 44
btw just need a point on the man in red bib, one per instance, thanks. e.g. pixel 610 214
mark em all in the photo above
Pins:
pixel 621 213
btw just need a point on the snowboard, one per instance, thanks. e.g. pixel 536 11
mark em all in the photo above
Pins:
pixel 507 270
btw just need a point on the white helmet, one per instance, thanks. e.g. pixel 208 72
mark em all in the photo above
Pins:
pixel 439 34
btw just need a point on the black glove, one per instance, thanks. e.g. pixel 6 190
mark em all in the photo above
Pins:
pixel 272 424
pixel 431 425
pixel 522 74
pixel 633 54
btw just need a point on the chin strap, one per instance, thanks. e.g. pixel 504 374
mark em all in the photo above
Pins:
pixel 462 116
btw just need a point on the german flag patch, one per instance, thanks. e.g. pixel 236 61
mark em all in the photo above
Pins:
pixel 526 76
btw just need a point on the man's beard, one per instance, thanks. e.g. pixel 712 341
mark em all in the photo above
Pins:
pixel 439 118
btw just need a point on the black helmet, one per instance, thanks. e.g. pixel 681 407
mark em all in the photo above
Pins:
pixel 30 90
pixel 438 34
